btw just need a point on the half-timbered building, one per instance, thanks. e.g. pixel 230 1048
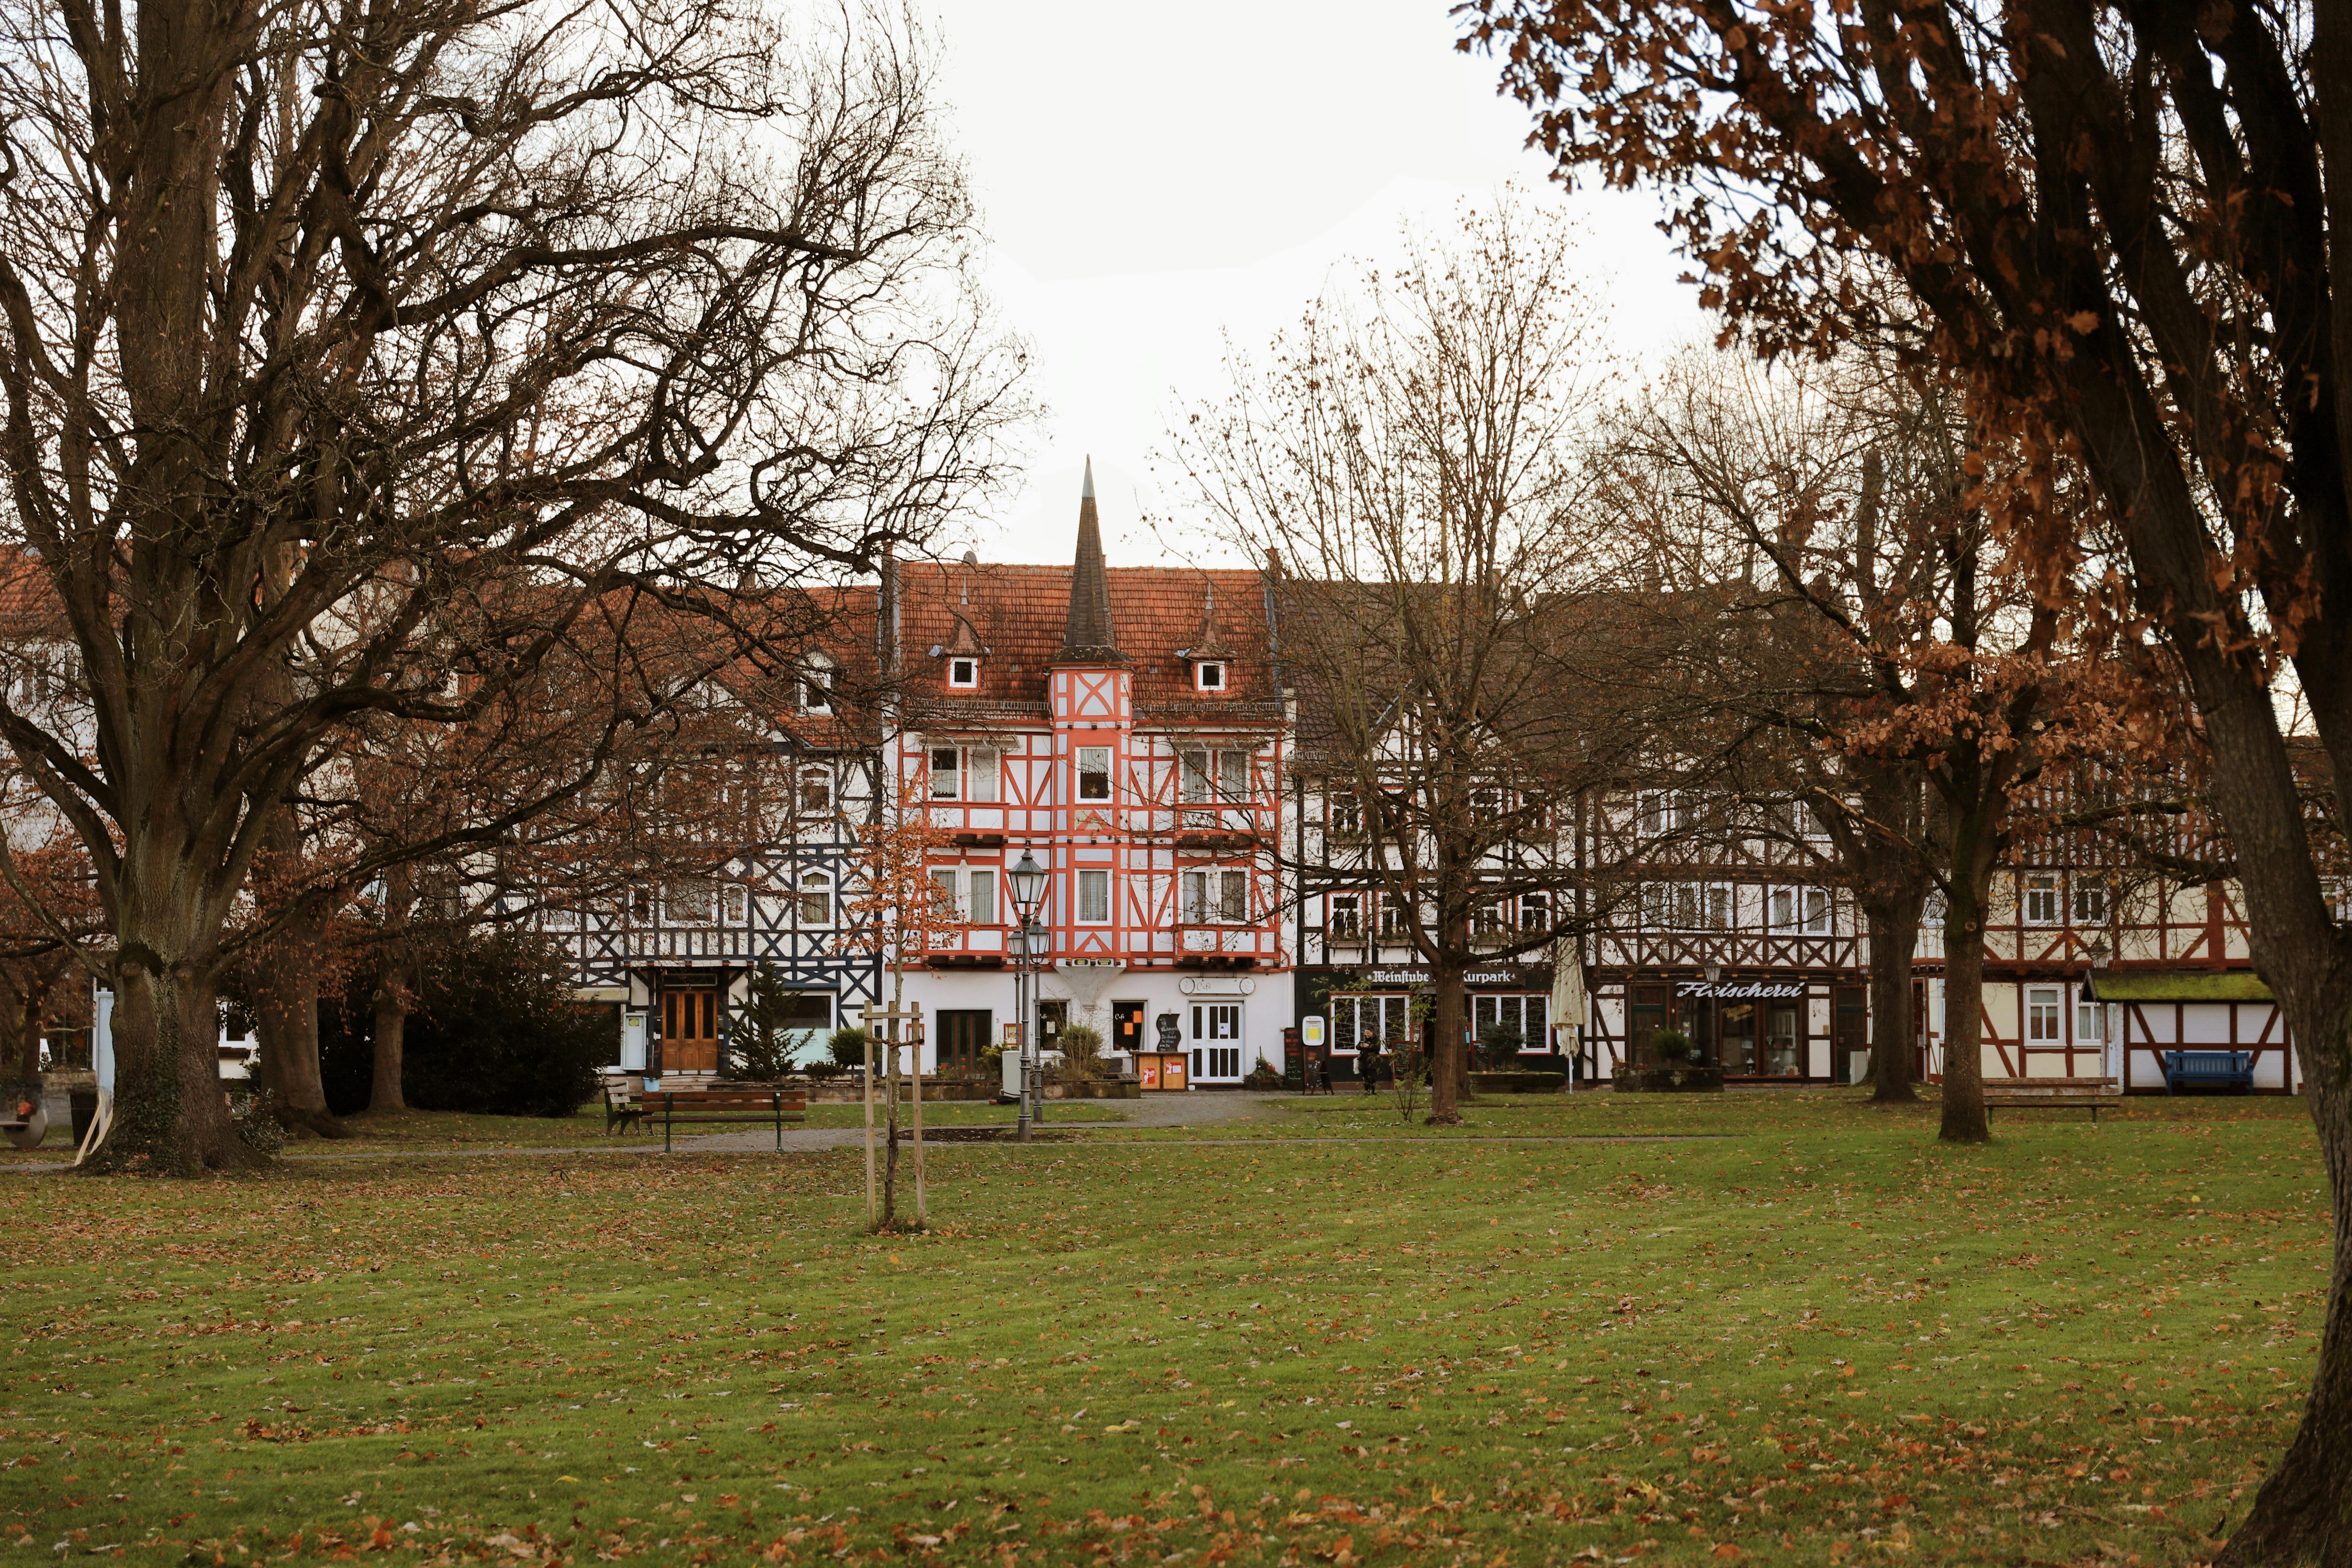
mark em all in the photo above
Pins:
pixel 1127 729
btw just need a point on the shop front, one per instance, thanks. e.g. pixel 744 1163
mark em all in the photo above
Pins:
pixel 1761 1029
pixel 1387 1008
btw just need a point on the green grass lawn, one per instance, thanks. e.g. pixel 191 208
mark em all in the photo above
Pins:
pixel 966 1113
pixel 1817 1338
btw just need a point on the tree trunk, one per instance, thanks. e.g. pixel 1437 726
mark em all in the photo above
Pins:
pixel 1444 1047
pixel 889 1219
pixel 171 1117
pixel 390 1032
pixel 285 1018
pixel 1893 945
pixel 2303 1512
pixel 1964 1102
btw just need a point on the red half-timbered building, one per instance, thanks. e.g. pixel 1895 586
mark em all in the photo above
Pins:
pixel 1127 728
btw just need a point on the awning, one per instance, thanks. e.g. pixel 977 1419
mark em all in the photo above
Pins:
pixel 2177 985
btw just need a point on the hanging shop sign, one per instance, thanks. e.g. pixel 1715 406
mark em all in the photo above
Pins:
pixel 1744 990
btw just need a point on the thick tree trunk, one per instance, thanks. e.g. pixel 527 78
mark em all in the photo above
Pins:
pixel 390 1033
pixel 1893 945
pixel 286 1019
pixel 171 1117
pixel 1964 1101
pixel 1446 1057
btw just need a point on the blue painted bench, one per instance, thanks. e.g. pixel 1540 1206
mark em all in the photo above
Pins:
pixel 2208 1069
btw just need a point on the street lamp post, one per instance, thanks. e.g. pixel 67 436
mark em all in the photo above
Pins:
pixel 1027 880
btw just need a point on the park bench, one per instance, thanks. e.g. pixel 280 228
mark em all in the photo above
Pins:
pixel 622 1109
pixel 2208 1069
pixel 761 1107
pixel 2050 1094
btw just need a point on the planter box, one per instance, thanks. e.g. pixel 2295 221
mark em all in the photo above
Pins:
pixel 1517 1082
pixel 1704 1078
pixel 1101 1089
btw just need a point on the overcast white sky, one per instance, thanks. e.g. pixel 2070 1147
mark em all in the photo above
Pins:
pixel 1154 177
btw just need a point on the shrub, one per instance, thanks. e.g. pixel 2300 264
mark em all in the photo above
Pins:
pixel 495 1031
pixel 848 1049
pixel 1081 1048
pixel 1671 1044
pixel 1263 1076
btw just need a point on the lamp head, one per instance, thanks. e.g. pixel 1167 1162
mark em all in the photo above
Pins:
pixel 1714 971
pixel 1028 883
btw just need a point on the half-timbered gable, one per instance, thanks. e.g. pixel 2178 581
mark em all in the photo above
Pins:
pixel 1124 727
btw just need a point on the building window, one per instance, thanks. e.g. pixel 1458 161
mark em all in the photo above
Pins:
pixel 1204 777
pixel 947 772
pixel 1662 812
pixel 815 797
pixel 2090 1026
pixel 980 897
pixel 813 899
pixel 1209 675
pixel 2041 1015
pixel 1535 913
pixel 1344 817
pixel 2090 904
pixel 1347 921
pixel 1490 920
pixel 817 684
pixel 1685 905
pixel 687 903
pixel 1094 773
pixel 1357 1019
pixel 1801 911
pixel 1507 1026
pixel 2042 899
pixel 1217 897
pixel 963 672
pixel 1094 898
pixel 1392 920
pixel 735 903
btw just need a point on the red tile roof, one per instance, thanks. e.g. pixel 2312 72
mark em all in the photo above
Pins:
pixel 1020 614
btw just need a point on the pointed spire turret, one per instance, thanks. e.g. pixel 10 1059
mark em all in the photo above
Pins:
pixel 1087 635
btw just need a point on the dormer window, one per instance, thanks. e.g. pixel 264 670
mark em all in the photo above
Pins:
pixel 963 673
pixel 817 684
pixel 1209 675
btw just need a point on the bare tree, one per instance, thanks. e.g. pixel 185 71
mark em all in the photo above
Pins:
pixel 381 348
pixel 1413 457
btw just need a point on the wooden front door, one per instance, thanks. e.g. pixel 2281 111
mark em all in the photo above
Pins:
pixel 690 1036
pixel 1648 1017
pixel 963 1034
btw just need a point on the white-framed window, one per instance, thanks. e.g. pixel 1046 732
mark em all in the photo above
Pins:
pixel 965 773
pixel 1357 1017
pixel 1499 1018
pixel 1661 811
pixel 2038 898
pixel 1209 675
pixel 1217 897
pixel 963 673
pixel 687 902
pixel 970 891
pixel 1491 919
pixel 1094 898
pixel 815 797
pixel 2090 1024
pixel 1094 773
pixel 1392 912
pixel 813 899
pixel 1344 816
pixel 1347 917
pixel 2042 1016
pixel 1535 913
pixel 816 683
pixel 1686 906
pixel 2090 904
pixel 1801 911
pixel 735 904
pixel 1203 776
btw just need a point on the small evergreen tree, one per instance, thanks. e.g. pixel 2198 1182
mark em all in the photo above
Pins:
pixel 760 1037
